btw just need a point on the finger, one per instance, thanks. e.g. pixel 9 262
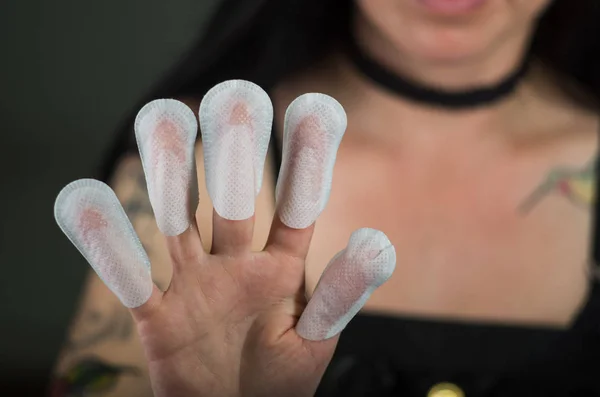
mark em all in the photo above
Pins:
pixel 313 129
pixel 235 121
pixel 90 215
pixel 346 284
pixel 165 131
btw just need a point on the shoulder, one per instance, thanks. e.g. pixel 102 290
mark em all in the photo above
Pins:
pixel 565 116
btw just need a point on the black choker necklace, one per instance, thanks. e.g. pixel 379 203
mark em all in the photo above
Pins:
pixel 434 96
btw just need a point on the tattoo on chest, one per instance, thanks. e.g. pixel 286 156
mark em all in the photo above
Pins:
pixel 575 184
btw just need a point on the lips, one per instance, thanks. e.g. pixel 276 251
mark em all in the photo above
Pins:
pixel 451 6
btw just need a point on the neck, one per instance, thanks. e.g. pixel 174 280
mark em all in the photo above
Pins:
pixel 372 110
pixel 483 68
pixel 373 107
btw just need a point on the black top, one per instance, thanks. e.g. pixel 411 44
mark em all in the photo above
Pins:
pixel 397 356
pixel 384 356
pixel 380 355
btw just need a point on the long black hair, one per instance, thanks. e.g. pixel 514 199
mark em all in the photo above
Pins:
pixel 266 41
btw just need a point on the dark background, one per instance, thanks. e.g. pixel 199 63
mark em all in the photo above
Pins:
pixel 70 71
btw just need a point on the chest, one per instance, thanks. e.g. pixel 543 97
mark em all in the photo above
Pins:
pixel 464 248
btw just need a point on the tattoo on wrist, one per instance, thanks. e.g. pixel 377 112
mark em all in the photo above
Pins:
pixel 577 185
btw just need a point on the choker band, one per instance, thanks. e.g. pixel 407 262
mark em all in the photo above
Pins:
pixel 432 96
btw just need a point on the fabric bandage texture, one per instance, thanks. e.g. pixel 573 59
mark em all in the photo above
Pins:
pixel 314 127
pixel 90 214
pixel 235 121
pixel 165 130
pixel 347 282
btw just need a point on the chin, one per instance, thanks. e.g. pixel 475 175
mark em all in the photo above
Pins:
pixel 431 42
pixel 450 30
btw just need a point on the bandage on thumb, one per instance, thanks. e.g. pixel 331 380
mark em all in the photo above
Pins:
pixel 165 131
pixel 235 121
pixel 314 127
pixel 90 215
pixel 346 284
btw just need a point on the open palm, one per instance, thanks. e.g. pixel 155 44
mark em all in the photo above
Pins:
pixel 233 322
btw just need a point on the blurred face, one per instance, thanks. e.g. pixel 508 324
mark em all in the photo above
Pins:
pixel 451 30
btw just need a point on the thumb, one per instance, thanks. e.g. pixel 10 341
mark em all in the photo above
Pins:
pixel 347 283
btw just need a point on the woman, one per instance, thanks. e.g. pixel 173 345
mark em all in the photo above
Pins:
pixel 471 141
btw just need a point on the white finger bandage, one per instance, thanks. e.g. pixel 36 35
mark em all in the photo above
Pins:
pixel 346 284
pixel 165 130
pixel 314 126
pixel 235 121
pixel 90 214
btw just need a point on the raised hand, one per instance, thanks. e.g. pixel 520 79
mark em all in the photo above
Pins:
pixel 232 322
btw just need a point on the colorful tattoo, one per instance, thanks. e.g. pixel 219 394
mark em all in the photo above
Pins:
pixel 577 185
pixel 90 376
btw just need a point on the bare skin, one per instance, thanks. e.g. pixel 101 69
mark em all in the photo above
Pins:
pixel 103 329
pixel 449 190
pixel 451 200
pixel 523 268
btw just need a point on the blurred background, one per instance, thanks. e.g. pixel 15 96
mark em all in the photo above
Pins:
pixel 70 71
